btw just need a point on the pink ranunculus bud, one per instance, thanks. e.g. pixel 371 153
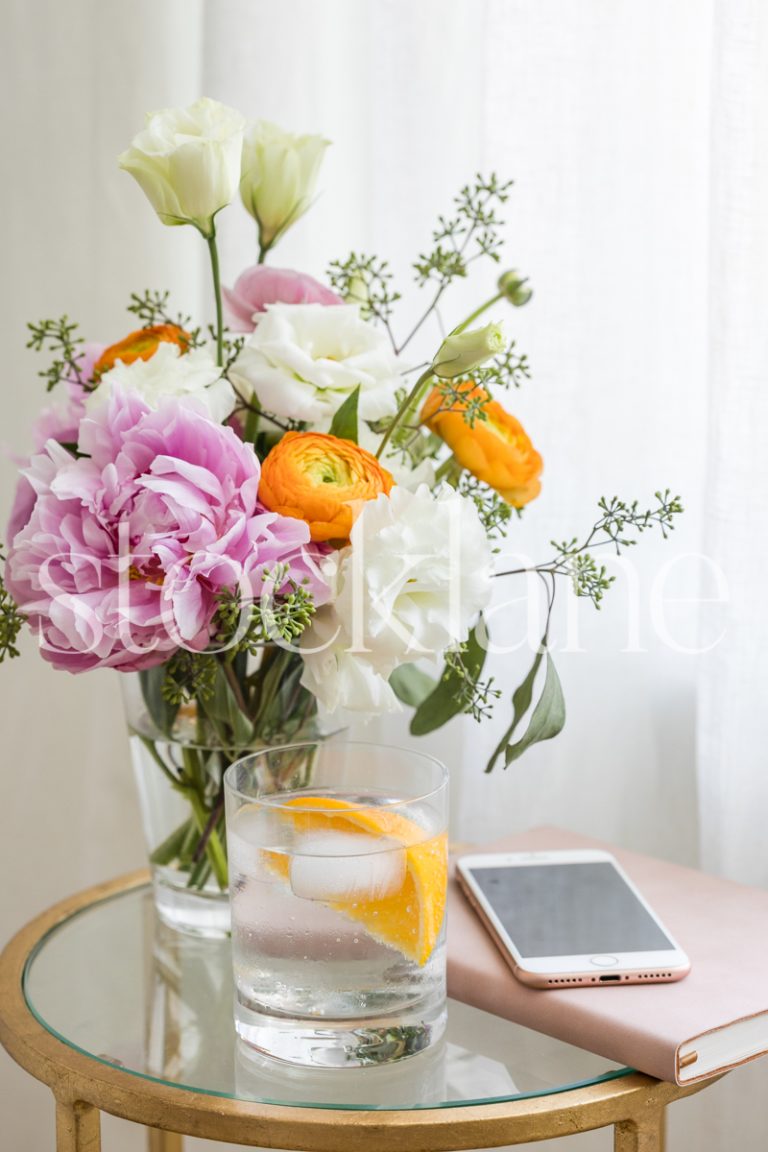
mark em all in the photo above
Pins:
pixel 260 285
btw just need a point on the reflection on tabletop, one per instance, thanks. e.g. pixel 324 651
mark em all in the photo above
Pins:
pixel 189 1029
pixel 159 1004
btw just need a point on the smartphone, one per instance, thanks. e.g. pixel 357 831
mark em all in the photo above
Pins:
pixel 572 918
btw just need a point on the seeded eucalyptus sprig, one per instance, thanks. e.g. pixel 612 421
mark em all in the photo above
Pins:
pixel 61 338
pixel 457 397
pixel 613 528
pixel 151 308
pixel 508 370
pixel 188 676
pixel 367 279
pixel 476 696
pixel 494 512
pixel 472 231
pixel 246 626
pixel 232 346
pixel 11 621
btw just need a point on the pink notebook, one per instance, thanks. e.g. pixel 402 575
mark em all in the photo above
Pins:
pixel 714 1019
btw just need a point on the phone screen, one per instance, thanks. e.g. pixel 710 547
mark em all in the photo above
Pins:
pixel 578 909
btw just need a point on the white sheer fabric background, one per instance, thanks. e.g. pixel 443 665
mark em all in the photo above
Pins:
pixel 636 137
pixel 733 674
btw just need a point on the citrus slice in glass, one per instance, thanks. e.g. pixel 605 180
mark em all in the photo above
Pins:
pixel 408 920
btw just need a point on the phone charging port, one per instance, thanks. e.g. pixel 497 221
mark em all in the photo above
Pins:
pixel 605 979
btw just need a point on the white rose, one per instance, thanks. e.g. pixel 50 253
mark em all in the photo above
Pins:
pixel 187 161
pixel 166 373
pixel 303 361
pixel 279 175
pixel 410 584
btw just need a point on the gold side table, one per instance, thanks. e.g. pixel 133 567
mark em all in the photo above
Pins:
pixel 118 1014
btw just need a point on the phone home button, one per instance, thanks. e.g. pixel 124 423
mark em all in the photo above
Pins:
pixel 603 961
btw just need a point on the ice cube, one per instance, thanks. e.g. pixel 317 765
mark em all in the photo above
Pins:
pixel 333 866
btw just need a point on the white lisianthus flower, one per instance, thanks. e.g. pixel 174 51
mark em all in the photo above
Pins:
pixel 462 352
pixel 187 161
pixel 422 563
pixel 169 372
pixel 303 361
pixel 411 583
pixel 279 176
pixel 338 677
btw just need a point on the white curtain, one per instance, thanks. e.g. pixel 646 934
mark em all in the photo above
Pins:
pixel 733 756
pixel 635 134
pixel 600 113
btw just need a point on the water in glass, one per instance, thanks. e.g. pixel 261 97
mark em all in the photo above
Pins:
pixel 338 934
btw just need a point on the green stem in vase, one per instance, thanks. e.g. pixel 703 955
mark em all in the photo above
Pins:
pixel 195 771
pixel 187 850
pixel 214 849
pixel 198 877
pixel 193 775
pixel 150 747
pixel 172 847
pixel 213 820
pixel 234 684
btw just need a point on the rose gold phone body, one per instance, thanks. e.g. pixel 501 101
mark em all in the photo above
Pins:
pixel 550 972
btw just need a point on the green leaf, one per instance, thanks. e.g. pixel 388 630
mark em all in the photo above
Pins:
pixel 162 713
pixel 447 699
pixel 344 423
pixel 231 724
pixel 411 685
pixel 547 718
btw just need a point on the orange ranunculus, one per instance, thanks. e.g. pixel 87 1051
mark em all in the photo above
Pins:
pixel 140 345
pixel 495 450
pixel 321 479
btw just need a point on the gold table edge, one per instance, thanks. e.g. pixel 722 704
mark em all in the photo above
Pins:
pixel 73 1076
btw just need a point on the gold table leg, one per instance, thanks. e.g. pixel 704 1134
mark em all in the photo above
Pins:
pixel 77 1127
pixel 646 1134
pixel 160 1141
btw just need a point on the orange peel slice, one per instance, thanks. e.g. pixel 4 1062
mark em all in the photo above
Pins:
pixel 409 920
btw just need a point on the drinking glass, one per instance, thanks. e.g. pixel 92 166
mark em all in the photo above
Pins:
pixel 338 873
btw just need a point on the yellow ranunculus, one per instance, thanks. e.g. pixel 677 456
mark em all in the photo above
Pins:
pixel 496 449
pixel 140 345
pixel 322 479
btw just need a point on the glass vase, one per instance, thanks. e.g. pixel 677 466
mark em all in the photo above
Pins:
pixel 180 752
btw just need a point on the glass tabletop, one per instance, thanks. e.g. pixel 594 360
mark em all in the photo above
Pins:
pixel 115 983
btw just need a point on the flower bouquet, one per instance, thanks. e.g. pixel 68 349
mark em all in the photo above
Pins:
pixel 287 516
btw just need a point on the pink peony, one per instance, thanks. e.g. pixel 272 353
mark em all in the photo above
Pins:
pixel 127 546
pixel 260 285
pixel 58 421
